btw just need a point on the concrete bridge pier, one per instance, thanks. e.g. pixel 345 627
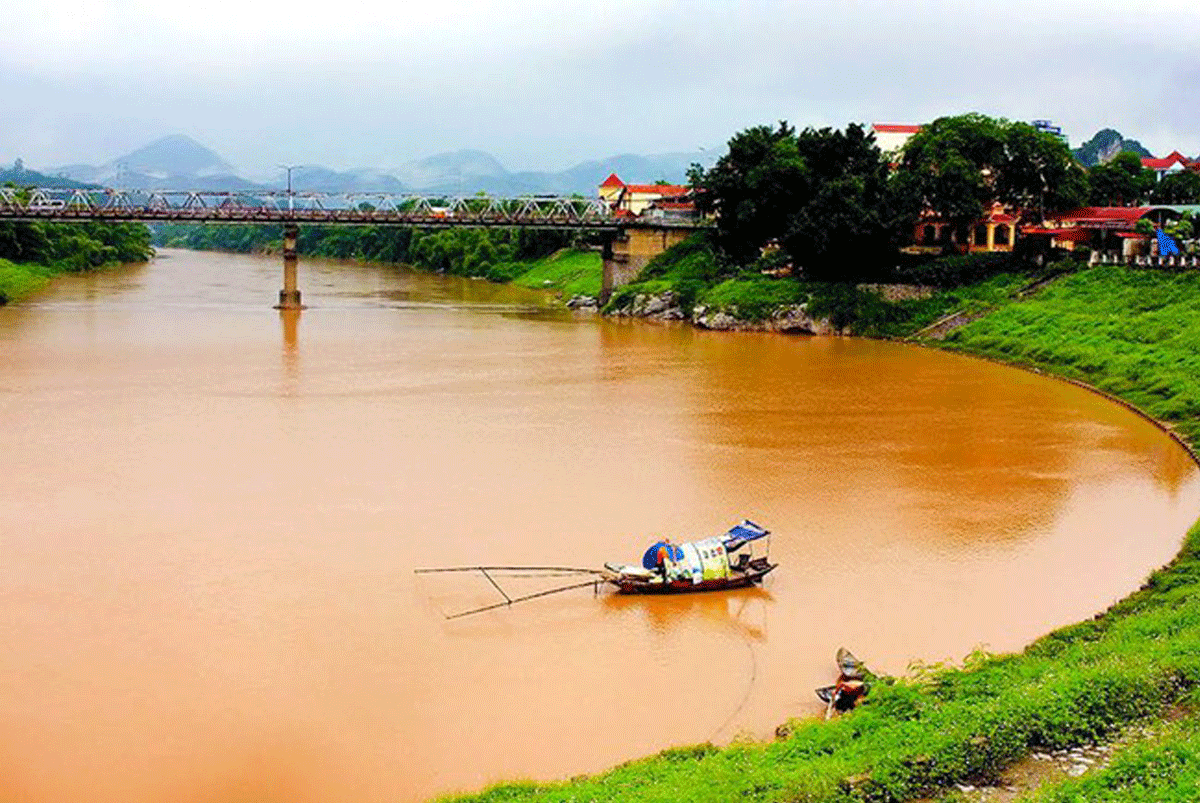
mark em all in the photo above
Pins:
pixel 628 250
pixel 289 296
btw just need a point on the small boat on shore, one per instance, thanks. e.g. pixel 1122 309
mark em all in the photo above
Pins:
pixel 727 561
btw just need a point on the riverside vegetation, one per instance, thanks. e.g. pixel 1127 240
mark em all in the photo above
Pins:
pixel 31 254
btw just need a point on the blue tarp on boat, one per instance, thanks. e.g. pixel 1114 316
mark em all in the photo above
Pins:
pixel 650 559
pixel 741 534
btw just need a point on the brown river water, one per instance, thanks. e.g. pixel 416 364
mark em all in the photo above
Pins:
pixel 210 516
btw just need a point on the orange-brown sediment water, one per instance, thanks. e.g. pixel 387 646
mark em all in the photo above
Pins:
pixel 210 516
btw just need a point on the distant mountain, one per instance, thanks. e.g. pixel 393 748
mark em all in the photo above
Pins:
pixel 179 162
pixel 460 171
pixel 1105 145
pixel 172 162
pixel 314 178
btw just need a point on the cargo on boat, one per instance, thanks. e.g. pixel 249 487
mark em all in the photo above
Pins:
pixel 727 561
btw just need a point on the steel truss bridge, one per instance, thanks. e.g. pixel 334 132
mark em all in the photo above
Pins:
pixel 183 206
pixel 293 209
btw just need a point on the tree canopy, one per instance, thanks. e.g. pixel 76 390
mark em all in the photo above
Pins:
pixel 819 195
pixel 1177 188
pixel 960 166
pixel 1120 182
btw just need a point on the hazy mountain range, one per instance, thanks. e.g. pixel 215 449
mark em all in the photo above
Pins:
pixel 179 162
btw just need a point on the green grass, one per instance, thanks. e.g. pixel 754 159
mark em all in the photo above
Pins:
pixel 20 280
pixel 1132 333
pixel 753 297
pixel 572 273
pixel 1163 769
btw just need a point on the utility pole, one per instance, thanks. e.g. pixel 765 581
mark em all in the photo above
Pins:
pixel 289 169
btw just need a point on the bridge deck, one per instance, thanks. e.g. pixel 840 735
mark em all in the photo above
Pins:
pixel 363 209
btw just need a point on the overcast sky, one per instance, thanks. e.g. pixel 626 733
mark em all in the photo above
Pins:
pixel 544 84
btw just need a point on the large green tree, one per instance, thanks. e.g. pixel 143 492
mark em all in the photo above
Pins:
pixel 753 189
pixel 822 195
pixel 1177 188
pixel 959 166
pixel 1120 182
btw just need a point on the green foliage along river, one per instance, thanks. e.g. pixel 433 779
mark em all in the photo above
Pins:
pixel 32 253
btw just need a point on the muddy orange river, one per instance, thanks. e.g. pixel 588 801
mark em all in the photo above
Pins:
pixel 210 516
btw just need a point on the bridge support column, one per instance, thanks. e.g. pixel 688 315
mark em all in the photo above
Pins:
pixel 607 281
pixel 289 296
pixel 628 250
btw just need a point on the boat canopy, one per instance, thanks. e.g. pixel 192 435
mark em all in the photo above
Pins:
pixel 741 534
pixel 738 536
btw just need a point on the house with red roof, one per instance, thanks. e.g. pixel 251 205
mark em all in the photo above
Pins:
pixel 1174 163
pixel 892 137
pixel 637 199
pixel 1101 228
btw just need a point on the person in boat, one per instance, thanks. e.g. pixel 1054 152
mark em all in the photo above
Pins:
pixel 662 557
pixel 850 688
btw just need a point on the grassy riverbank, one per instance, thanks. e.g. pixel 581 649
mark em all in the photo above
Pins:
pixel 1132 333
pixel 31 254
pixel 1135 334
pixel 20 280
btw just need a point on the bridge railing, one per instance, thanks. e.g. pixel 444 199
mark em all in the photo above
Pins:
pixel 312 207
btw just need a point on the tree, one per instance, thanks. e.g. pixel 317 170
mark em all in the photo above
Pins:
pixel 1177 188
pixel 852 219
pixel 1181 229
pixel 753 189
pixel 1120 182
pixel 823 196
pixel 958 167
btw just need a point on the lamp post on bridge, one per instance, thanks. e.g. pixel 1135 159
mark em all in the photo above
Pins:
pixel 289 296
pixel 289 169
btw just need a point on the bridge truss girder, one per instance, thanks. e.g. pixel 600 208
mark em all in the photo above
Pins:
pixel 359 208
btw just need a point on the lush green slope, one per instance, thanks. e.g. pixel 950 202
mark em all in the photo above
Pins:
pixel 1133 333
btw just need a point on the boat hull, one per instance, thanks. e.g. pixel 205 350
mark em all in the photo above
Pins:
pixel 753 573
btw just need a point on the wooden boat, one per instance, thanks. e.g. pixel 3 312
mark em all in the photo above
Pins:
pixel 709 565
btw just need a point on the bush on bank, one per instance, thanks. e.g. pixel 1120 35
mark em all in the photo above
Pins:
pixel 696 274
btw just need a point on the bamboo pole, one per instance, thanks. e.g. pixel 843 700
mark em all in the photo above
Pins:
pixel 509 602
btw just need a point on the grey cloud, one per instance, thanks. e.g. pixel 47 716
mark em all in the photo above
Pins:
pixel 543 85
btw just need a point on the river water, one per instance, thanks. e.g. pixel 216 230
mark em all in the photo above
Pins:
pixel 211 513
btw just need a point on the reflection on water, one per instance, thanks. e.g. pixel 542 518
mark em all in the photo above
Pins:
pixel 212 513
pixel 290 321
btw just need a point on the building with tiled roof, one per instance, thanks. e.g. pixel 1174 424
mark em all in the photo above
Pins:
pixel 637 198
pixel 892 137
pixel 1174 163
